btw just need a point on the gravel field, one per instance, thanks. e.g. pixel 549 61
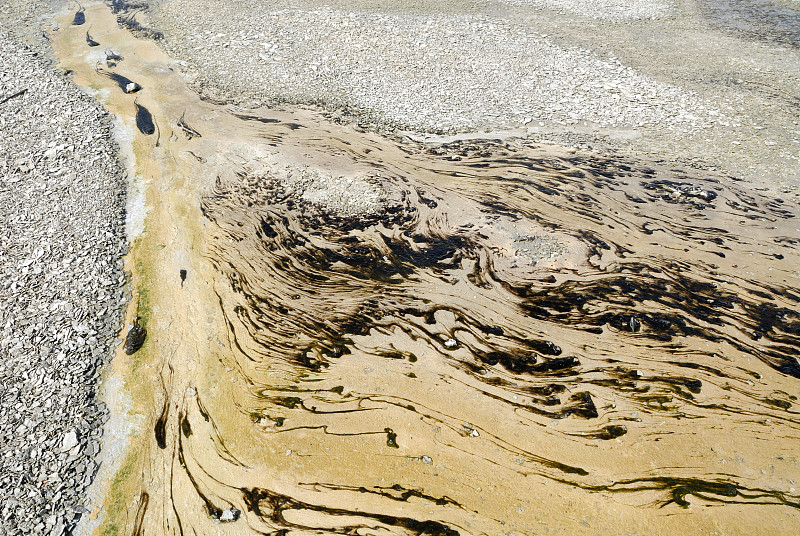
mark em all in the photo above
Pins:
pixel 600 74
pixel 423 72
pixel 610 10
pixel 61 282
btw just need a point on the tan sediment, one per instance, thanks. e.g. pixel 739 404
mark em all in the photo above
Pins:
pixel 478 449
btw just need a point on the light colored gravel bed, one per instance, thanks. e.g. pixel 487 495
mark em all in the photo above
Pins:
pixel 609 10
pixel 344 196
pixel 61 289
pixel 422 72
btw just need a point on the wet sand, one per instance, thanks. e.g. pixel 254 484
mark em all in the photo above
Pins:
pixel 502 339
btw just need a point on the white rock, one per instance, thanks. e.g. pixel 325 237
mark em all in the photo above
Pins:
pixel 231 514
pixel 69 441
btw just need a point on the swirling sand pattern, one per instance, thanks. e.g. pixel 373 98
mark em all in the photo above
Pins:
pixel 644 325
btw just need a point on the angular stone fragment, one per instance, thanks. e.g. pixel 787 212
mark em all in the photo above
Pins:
pixel 69 441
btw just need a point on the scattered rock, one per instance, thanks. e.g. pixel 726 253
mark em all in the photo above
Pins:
pixel 607 10
pixel 537 67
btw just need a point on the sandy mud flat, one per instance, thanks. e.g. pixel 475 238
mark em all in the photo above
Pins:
pixel 348 334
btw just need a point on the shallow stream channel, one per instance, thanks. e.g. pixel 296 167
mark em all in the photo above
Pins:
pixel 347 334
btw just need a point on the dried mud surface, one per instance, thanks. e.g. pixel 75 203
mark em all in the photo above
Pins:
pixel 350 335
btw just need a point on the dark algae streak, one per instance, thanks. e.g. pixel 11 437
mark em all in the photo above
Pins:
pixel 123 82
pixel 134 340
pixel 493 337
pixel 188 131
pixel 277 510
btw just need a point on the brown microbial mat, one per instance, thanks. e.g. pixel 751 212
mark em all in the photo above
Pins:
pixel 352 335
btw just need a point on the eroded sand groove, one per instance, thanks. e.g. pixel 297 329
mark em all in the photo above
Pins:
pixel 349 335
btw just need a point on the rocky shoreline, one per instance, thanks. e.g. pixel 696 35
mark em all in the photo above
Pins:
pixel 62 287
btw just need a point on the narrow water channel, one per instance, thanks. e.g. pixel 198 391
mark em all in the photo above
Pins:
pixel 353 335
